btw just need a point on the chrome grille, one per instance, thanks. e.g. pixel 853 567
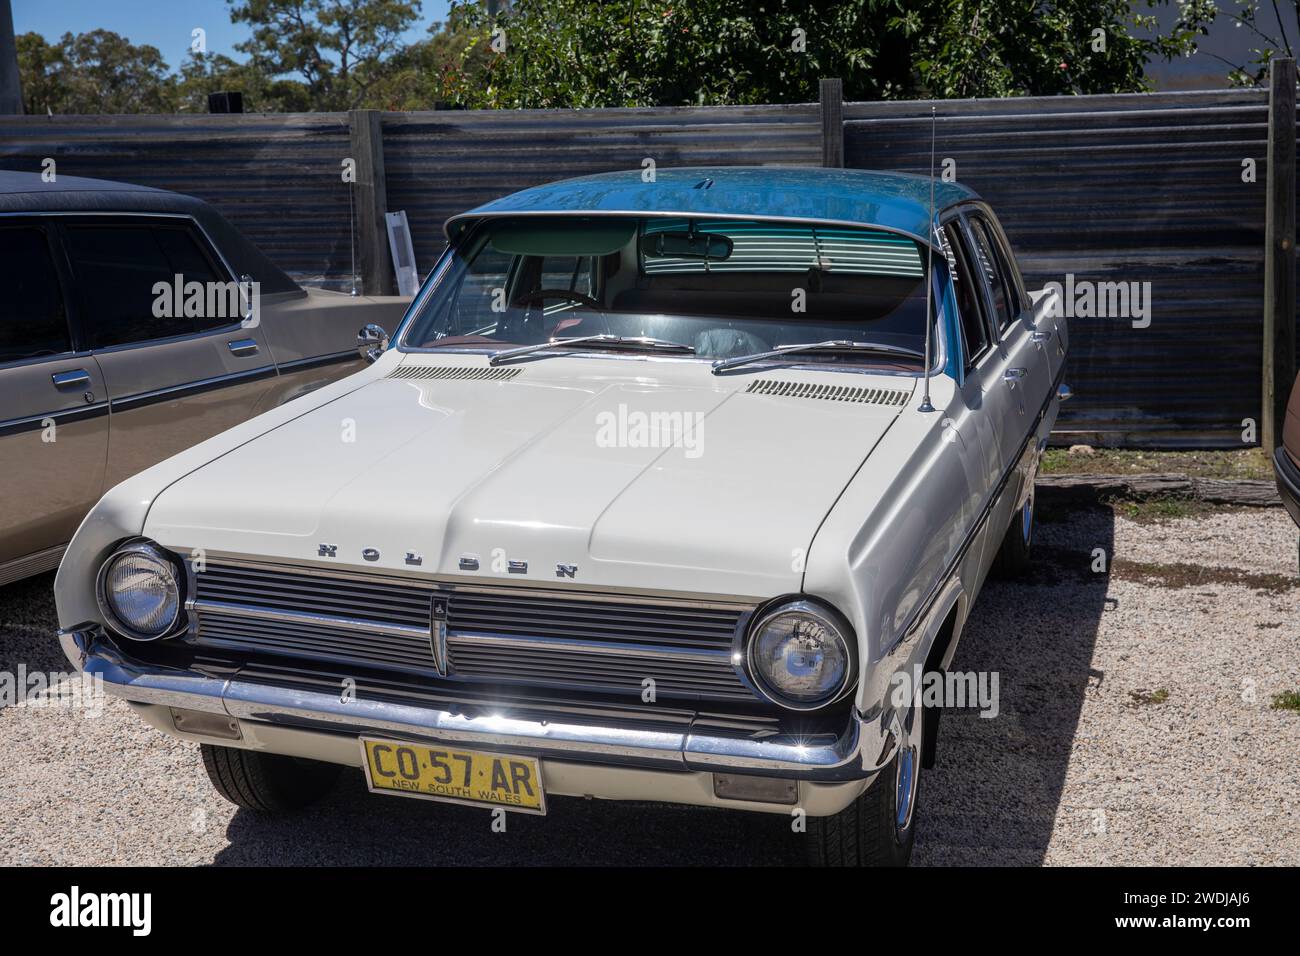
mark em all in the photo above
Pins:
pixel 495 636
pixel 543 615
pixel 384 601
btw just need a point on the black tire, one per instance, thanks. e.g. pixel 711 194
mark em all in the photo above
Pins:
pixel 267 783
pixel 866 833
pixel 1013 558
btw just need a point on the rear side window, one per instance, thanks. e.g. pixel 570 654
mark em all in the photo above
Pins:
pixel 969 304
pixel 1001 288
pixel 32 320
pixel 118 266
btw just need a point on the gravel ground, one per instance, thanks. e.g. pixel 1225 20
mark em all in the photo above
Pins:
pixel 1135 727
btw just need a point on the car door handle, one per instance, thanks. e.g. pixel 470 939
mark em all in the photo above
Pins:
pixel 1040 336
pixel 242 347
pixel 74 379
pixel 1013 375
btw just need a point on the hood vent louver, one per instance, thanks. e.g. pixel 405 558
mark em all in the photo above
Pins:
pixel 829 393
pixel 457 372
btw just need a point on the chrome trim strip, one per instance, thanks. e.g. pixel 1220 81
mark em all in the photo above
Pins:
pixel 15 426
pixel 578 595
pixel 141 399
pixel 861 750
pixel 659 652
pixel 255 613
pixel 312 361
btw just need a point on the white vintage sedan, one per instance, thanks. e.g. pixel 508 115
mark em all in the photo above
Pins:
pixel 656 493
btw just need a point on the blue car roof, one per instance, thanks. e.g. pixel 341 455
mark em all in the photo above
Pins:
pixel 899 202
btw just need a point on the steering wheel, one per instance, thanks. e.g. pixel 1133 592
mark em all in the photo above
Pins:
pixel 558 294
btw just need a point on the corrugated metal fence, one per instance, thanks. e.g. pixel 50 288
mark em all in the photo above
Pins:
pixel 446 162
pixel 1140 188
pixel 279 177
pixel 275 176
pixel 1134 189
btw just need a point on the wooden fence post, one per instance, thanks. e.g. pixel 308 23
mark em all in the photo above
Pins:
pixel 1279 252
pixel 830 93
pixel 371 193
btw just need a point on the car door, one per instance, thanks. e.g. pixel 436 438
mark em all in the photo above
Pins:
pixel 1048 332
pixel 1022 360
pixel 985 385
pixel 53 405
pixel 1011 313
pixel 178 368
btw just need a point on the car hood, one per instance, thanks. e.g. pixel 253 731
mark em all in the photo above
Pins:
pixel 645 475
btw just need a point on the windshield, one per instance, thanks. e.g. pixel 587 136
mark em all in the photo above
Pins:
pixel 724 288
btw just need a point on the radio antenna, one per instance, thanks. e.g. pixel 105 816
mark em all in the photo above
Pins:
pixel 929 273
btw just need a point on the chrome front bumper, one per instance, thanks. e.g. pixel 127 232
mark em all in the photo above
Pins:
pixel 861 750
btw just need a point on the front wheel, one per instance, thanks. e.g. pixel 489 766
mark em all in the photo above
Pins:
pixel 879 827
pixel 267 783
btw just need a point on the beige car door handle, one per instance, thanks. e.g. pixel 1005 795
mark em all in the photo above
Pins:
pixel 242 347
pixel 71 380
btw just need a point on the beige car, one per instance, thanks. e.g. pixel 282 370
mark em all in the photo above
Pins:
pixel 118 347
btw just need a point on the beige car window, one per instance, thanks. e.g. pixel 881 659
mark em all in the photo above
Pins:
pixel 117 268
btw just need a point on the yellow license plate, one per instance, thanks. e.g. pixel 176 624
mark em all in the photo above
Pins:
pixel 439 772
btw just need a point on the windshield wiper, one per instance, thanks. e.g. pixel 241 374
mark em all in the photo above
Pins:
pixel 833 345
pixel 599 341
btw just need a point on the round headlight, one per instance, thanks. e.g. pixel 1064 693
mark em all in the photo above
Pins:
pixel 140 592
pixel 800 656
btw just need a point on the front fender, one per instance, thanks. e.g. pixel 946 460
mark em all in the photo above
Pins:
pixel 123 510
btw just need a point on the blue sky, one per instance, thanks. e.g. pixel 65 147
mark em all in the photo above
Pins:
pixel 165 24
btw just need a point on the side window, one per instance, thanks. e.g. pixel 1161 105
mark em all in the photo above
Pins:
pixel 974 331
pixel 567 272
pixel 187 258
pixel 1010 268
pixel 996 246
pixel 33 322
pixel 993 275
pixel 117 267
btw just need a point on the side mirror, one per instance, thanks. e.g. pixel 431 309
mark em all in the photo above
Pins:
pixel 372 340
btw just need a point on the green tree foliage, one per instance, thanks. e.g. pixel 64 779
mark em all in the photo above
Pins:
pixel 95 72
pixel 338 49
pixel 570 53
pixel 343 54
pixel 204 73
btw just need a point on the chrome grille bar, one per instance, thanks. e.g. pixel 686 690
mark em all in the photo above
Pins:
pixel 253 612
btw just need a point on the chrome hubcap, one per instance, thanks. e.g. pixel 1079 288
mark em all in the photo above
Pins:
pixel 905 778
pixel 1027 519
